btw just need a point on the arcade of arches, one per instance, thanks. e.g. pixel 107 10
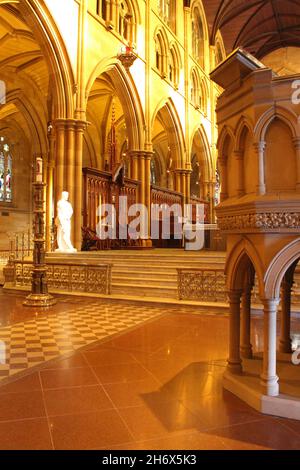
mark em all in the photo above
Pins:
pixel 164 102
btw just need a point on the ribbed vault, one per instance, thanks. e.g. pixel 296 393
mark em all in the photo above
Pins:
pixel 260 26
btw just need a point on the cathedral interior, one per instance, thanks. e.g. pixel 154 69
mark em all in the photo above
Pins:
pixel 126 127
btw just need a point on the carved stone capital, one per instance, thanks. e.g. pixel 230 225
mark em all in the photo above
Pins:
pixel 260 146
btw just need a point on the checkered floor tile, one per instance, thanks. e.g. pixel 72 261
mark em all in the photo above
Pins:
pixel 31 343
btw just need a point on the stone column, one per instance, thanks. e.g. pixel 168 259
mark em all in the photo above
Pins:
pixel 183 186
pixel 178 188
pixel 261 185
pixel 79 133
pixel 50 186
pixel 246 346
pixel 70 159
pixel 142 176
pixel 285 343
pixel 188 185
pixel 234 362
pixel 147 161
pixel 134 159
pixel 240 189
pixel 269 378
pixel 223 178
pixel 60 158
pixel 297 149
pixel 212 202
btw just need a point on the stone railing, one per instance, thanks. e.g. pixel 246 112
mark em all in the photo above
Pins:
pixel 206 285
pixel 62 277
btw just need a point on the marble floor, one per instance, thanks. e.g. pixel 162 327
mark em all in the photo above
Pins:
pixel 152 382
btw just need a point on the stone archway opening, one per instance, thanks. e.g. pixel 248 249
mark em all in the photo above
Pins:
pixel 28 105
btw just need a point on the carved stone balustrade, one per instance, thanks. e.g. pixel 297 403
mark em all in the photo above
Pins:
pixel 64 277
pixel 206 285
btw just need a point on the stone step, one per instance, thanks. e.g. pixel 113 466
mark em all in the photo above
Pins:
pixel 162 267
pixel 143 281
pixel 149 290
pixel 143 274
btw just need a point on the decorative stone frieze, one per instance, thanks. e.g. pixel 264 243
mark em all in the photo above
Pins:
pixel 260 221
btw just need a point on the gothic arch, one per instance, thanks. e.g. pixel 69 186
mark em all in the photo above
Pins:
pixel 279 266
pixel 39 19
pixel 129 98
pixel 33 120
pixel 209 167
pixel 243 124
pixel 162 50
pixel 173 129
pixel 236 265
pixel 287 116
pixel 198 4
pixel 226 133
pixel 198 12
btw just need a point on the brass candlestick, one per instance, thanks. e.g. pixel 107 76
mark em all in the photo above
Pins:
pixel 39 296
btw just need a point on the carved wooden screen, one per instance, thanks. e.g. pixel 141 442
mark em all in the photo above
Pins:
pixel 100 189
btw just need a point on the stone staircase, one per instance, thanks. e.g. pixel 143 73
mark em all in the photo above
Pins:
pixel 151 273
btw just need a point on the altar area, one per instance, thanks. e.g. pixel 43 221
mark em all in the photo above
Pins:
pixel 156 275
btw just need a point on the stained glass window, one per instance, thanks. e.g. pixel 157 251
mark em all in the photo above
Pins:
pixel 5 172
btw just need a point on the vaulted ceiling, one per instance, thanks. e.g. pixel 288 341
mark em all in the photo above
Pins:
pixel 260 26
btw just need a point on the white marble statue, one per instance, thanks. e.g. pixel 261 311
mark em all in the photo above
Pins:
pixel 63 222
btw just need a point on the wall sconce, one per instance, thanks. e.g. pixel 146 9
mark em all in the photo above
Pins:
pixel 127 56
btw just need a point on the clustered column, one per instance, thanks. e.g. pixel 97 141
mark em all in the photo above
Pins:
pixel 68 168
pixel 141 171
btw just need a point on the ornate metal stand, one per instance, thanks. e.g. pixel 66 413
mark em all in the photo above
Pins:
pixel 39 296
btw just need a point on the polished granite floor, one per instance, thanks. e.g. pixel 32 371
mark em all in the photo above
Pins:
pixel 156 384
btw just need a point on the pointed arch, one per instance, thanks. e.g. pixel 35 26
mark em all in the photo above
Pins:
pixel 237 263
pixel 175 64
pixel 204 95
pixel 200 33
pixel 279 266
pixel 226 133
pixel 209 167
pixel 161 50
pixel 129 98
pixel 287 116
pixel 173 127
pixel 220 52
pixel 39 19
pixel 244 124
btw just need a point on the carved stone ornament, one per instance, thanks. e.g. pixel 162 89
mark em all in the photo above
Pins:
pixel 262 221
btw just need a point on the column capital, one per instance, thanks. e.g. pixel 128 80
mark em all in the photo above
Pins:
pixel 270 304
pixel 296 142
pixel 260 146
pixel 138 153
pixel 81 125
pixel 235 295
pixel 238 154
